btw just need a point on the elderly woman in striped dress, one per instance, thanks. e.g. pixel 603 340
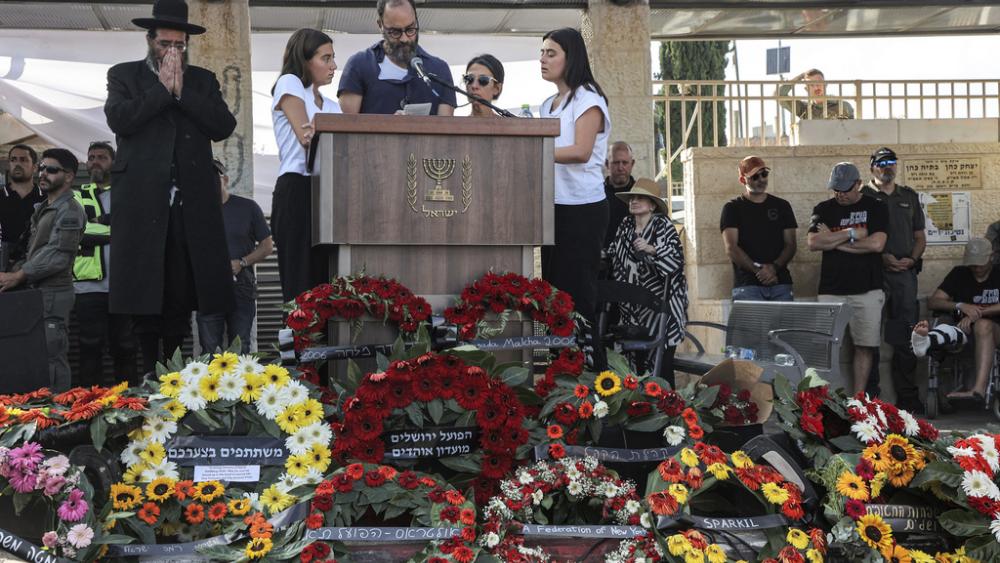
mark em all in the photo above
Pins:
pixel 647 252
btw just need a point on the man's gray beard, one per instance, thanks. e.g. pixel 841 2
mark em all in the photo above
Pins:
pixel 98 175
pixel 886 177
pixel 154 64
pixel 401 53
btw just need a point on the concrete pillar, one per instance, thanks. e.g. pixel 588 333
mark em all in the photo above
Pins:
pixel 617 40
pixel 225 50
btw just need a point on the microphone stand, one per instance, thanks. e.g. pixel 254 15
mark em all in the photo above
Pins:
pixel 502 112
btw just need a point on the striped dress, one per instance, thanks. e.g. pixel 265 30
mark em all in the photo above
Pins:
pixel 652 271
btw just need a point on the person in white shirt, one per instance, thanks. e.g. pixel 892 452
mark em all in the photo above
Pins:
pixel 581 208
pixel 308 64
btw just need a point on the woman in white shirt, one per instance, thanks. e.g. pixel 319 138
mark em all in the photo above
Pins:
pixel 308 64
pixel 581 210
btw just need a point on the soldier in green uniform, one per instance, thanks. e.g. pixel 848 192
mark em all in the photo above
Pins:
pixel 56 229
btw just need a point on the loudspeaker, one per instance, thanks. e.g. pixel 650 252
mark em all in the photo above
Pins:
pixel 23 354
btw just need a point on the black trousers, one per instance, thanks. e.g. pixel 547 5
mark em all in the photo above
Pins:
pixel 300 266
pixel 179 297
pixel 573 263
pixel 100 329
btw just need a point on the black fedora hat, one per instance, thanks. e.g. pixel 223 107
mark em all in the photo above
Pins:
pixel 170 14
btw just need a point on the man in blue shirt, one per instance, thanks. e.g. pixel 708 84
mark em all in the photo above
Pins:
pixel 380 80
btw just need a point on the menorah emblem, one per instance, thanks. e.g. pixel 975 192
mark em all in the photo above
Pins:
pixel 439 169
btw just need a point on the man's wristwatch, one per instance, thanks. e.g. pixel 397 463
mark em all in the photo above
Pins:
pixel 757 265
pixel 958 307
pixel 243 263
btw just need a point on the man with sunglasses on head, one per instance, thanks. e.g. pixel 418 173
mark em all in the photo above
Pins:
pixel 17 203
pixel 901 261
pixel 380 79
pixel 170 256
pixel 56 229
pixel 98 328
pixel 758 231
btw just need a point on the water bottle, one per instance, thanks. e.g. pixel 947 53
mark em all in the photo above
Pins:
pixel 731 351
pixel 525 111
pixel 748 354
pixel 784 360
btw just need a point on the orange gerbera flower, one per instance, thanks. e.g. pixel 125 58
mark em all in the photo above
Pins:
pixel 217 511
pixel 194 513
pixel 554 431
pixel 388 472
pixel 586 410
pixel 662 503
pixel 261 528
pixel 653 389
pixel 183 489
pixel 467 516
pixel 149 513
pixel 581 391
pixel 84 411
pixel 355 471
pixel 454 497
pixel 41 420
pixel 71 396
pixel 130 403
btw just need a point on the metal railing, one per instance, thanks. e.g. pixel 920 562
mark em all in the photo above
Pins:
pixel 706 113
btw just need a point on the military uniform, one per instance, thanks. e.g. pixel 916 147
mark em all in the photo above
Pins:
pixel 902 310
pixel 56 230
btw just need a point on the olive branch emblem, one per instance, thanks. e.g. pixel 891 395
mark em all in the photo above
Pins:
pixel 411 182
pixel 466 183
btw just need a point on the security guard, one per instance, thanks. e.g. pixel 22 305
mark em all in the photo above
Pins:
pixel 901 260
pixel 98 328
pixel 56 229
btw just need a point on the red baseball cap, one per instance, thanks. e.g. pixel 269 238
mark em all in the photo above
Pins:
pixel 752 165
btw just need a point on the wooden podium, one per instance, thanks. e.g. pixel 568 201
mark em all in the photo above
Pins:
pixel 434 202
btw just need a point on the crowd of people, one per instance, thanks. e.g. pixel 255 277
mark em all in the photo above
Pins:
pixel 183 243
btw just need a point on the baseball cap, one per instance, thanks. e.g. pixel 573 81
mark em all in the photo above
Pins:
pixel 843 177
pixel 752 165
pixel 884 154
pixel 978 252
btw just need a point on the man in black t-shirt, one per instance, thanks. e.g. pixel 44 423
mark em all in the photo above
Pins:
pixel 758 230
pixel 619 180
pixel 972 293
pixel 249 241
pixel 850 230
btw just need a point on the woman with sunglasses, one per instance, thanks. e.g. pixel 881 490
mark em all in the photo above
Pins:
pixel 581 208
pixel 484 78
pixel 308 64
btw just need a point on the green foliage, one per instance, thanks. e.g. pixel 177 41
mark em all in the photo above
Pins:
pixel 692 60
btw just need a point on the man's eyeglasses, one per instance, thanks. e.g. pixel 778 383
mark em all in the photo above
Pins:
pixel 396 33
pixel 885 163
pixel 759 175
pixel 51 169
pixel 179 45
pixel 483 80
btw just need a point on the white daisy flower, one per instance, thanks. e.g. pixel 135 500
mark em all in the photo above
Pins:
pixel 271 402
pixel 298 443
pixel 165 468
pixel 313 477
pixel 609 489
pixel 192 373
pixel 159 429
pixel 674 435
pixel 80 536
pixel 190 396
pixel 287 482
pixel 910 426
pixel 645 520
pixel 130 455
pixel 297 392
pixel 978 484
pixel 231 386
pixel 318 433
pixel 248 364
pixel 254 501
pixel 995 528
pixel 491 540
pixel 600 409
pixel 961 452
pixel 537 497
pixel 524 478
pixel 57 465
pixel 866 431
pixel 852 402
pixel 575 488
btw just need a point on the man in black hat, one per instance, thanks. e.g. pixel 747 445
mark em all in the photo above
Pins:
pixel 170 255
pixel 901 264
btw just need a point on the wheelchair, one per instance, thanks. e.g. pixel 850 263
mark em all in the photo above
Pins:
pixel 958 364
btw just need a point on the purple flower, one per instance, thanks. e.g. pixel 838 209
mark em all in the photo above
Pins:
pixel 50 539
pixel 53 484
pixel 27 457
pixel 22 482
pixel 74 508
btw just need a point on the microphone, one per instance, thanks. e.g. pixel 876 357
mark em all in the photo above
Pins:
pixel 418 66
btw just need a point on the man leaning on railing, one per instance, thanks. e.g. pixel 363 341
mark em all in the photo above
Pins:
pixel 818 106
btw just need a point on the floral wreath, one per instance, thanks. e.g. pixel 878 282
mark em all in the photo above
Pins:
pixel 24 416
pixel 548 485
pixel 443 390
pixel 824 421
pixel 218 391
pixel 33 473
pixel 189 510
pixel 348 494
pixel 349 298
pixel 578 405
pixel 692 471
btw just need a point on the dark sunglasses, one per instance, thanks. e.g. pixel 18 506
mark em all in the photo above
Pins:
pixel 885 163
pixel 483 80
pixel 51 169
pixel 759 175
pixel 396 33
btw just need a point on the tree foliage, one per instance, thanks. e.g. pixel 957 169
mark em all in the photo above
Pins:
pixel 692 60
